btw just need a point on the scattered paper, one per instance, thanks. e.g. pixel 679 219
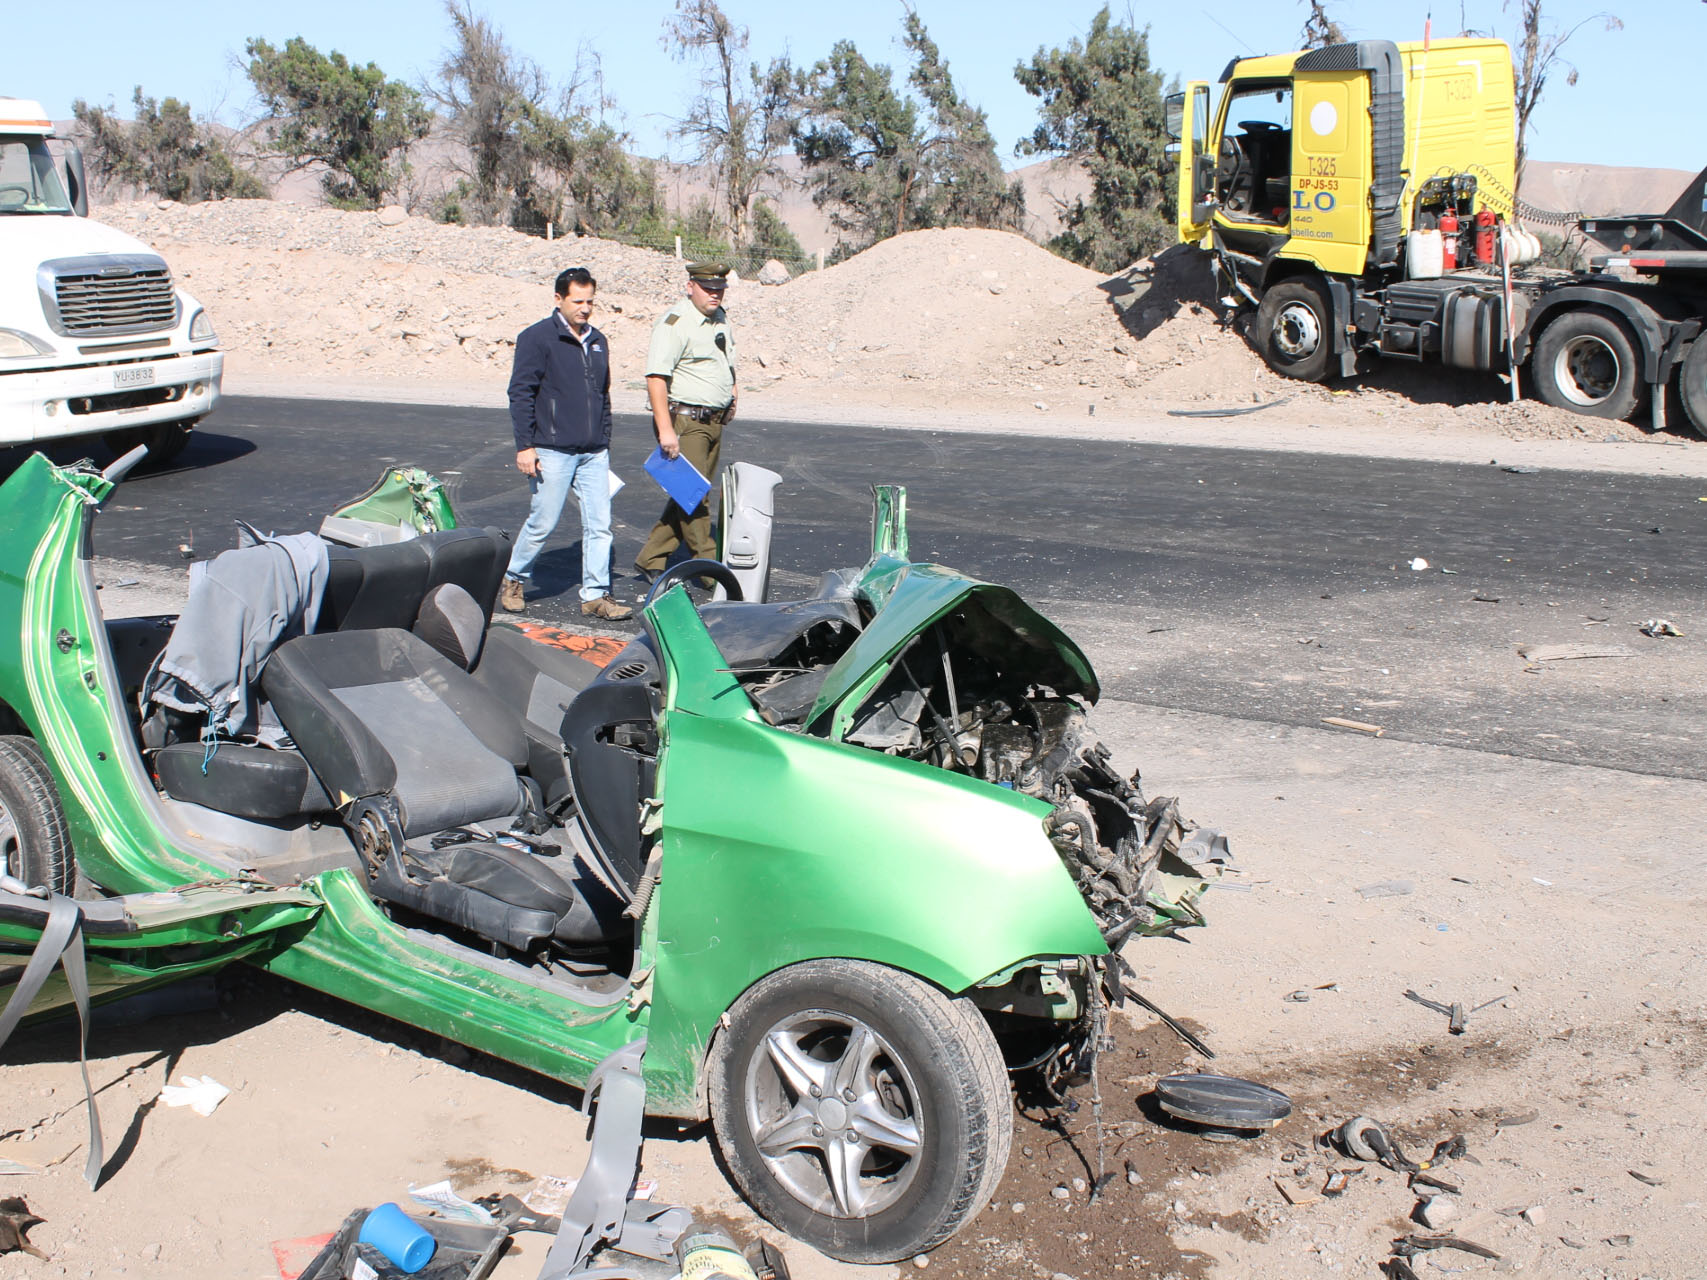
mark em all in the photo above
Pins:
pixel 616 483
pixel 1418 564
pixel 441 1198
pixel 201 1094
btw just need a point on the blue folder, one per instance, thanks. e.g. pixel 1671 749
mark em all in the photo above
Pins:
pixel 679 478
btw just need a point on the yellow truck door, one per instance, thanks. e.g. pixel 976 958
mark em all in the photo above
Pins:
pixel 1329 215
pixel 1196 165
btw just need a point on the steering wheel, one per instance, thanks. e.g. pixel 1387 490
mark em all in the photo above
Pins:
pixel 14 196
pixel 1259 126
pixel 1232 176
pixel 714 569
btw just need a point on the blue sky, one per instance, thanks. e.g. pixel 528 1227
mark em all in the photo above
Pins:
pixel 108 47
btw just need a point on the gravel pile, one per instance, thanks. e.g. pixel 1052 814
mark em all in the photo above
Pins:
pixel 961 321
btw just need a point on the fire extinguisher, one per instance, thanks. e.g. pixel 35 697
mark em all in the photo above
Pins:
pixel 1485 237
pixel 1449 240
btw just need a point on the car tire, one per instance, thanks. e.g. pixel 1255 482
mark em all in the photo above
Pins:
pixel 35 843
pixel 1295 330
pixel 165 441
pixel 913 1101
pixel 1692 385
pixel 1585 361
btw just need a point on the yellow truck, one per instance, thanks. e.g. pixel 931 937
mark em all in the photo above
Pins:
pixel 1360 197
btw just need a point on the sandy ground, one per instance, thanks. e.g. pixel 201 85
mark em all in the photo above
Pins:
pixel 1572 892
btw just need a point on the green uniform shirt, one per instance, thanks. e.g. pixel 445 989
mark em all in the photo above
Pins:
pixel 696 353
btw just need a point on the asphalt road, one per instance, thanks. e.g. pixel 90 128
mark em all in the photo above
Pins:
pixel 1265 586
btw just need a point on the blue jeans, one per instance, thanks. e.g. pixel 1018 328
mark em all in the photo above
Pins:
pixel 588 474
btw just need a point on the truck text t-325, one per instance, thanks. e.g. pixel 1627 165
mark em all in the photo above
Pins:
pixel 1361 197
pixel 95 338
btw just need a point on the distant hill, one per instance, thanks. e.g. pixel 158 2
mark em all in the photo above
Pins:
pixel 1591 190
pixel 1596 189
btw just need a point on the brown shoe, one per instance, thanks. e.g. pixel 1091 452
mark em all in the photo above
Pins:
pixel 607 608
pixel 510 596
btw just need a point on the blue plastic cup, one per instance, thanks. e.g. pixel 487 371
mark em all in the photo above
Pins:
pixel 399 1237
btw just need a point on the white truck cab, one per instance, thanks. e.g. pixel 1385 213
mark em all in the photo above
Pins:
pixel 94 337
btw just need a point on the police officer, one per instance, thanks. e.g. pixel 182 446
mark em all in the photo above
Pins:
pixel 690 383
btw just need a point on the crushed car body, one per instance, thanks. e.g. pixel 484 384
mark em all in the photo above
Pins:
pixel 840 862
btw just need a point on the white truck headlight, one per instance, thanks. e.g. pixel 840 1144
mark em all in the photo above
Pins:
pixel 201 328
pixel 15 344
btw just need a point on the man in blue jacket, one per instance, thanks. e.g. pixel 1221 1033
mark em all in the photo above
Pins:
pixel 560 412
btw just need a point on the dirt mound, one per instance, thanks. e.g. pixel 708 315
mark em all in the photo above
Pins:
pixel 946 321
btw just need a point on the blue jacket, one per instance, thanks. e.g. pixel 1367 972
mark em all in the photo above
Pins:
pixel 560 388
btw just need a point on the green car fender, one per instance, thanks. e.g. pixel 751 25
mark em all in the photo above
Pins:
pixel 780 848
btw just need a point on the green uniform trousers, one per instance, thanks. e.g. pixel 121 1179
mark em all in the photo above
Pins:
pixel 702 443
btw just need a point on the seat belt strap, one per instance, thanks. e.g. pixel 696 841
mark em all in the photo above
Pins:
pixel 62 943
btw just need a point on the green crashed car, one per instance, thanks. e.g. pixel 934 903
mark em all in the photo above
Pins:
pixel 843 863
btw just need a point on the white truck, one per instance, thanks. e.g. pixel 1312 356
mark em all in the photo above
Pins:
pixel 95 339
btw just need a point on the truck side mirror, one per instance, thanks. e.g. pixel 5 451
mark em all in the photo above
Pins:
pixel 76 183
pixel 1173 110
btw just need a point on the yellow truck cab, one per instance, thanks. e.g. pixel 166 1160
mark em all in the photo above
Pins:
pixel 1360 196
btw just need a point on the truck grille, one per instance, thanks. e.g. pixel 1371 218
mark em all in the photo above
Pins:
pixel 109 296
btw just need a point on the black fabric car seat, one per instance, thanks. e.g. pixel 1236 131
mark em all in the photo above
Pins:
pixel 258 783
pixel 381 715
pixel 451 621
pixel 384 585
pixel 539 681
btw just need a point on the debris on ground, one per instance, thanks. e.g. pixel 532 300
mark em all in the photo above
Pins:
pixel 1536 653
pixel 1457 1015
pixel 1340 722
pixel 15 1222
pixel 1659 627
pixel 201 1094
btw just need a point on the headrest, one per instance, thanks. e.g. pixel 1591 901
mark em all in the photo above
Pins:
pixel 451 621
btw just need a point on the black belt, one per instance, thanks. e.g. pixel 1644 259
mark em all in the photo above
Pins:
pixel 701 412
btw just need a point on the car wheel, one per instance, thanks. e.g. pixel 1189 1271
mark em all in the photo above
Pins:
pixel 1586 362
pixel 859 1108
pixel 1692 386
pixel 35 845
pixel 1295 330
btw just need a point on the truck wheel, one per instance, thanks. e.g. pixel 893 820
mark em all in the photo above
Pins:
pixel 35 845
pixel 1585 361
pixel 1692 385
pixel 1295 330
pixel 165 441
pixel 859 1108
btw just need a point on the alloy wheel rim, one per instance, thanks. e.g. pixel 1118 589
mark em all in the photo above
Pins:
pixel 834 1113
pixel 1586 370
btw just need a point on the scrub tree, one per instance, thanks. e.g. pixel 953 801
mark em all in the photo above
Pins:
pixel 1320 30
pixel 1102 106
pixel 968 185
pixel 165 151
pixel 323 109
pixel 882 163
pixel 1536 56
pixel 738 119
pixel 537 154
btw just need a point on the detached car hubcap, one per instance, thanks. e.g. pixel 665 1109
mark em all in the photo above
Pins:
pixel 1297 332
pixel 834 1113
pixel 1586 371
